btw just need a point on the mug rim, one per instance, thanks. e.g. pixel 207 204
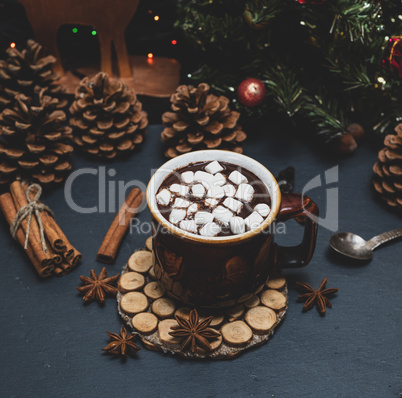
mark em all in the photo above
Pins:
pixel 214 239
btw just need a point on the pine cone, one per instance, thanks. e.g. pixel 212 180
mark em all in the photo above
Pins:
pixel 107 117
pixel 200 120
pixel 23 71
pixel 388 170
pixel 32 140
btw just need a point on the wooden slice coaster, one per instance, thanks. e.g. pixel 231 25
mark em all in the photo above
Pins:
pixel 273 299
pixel 134 302
pixel 154 290
pixel 131 281
pixel 148 244
pixel 145 322
pixel 276 281
pixel 141 261
pixel 163 307
pixel 236 333
pixel 260 319
pixel 151 313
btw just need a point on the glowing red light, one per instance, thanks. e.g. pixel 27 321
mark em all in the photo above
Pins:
pixel 174 42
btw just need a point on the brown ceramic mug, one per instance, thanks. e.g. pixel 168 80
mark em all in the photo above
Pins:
pixel 225 270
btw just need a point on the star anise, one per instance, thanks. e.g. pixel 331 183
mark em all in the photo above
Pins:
pixel 318 296
pixel 196 332
pixel 98 287
pixel 121 345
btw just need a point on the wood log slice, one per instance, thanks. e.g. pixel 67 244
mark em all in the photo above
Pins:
pixel 145 322
pixel 154 290
pixel 131 281
pixel 148 243
pixel 163 308
pixel 134 302
pixel 164 328
pixel 276 281
pixel 237 333
pixel 141 261
pixel 273 299
pixel 260 319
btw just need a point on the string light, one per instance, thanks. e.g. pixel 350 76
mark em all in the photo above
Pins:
pixel 75 30
pixel 156 17
pixel 174 42
pixel 150 55
pixel 93 33
pixel 381 80
pixel 12 45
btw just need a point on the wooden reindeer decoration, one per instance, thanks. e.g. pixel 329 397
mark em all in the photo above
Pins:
pixel 109 17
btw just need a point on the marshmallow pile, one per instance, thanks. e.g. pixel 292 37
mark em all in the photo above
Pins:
pixel 223 199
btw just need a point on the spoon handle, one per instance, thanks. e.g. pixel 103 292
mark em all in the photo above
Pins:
pixel 385 237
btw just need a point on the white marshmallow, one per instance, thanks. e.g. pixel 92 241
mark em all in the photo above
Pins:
pixel 203 217
pixel 245 192
pixel 164 197
pixel 192 209
pixel 198 191
pixel 222 215
pixel 233 204
pixel 204 178
pixel 210 229
pixel 229 189
pixel 219 179
pixel 181 190
pixel 262 209
pixel 237 225
pixel 177 215
pixel 213 167
pixel 187 177
pixel 211 202
pixel 181 203
pixel 237 178
pixel 253 221
pixel 188 225
pixel 216 192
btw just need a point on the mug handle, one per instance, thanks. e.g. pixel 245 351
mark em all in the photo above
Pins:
pixel 296 205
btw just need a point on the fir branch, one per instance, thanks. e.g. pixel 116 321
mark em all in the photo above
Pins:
pixel 285 90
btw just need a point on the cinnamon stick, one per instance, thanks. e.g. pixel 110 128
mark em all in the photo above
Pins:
pixel 114 236
pixel 43 265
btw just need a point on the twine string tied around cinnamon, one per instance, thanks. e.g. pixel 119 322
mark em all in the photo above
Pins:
pixel 33 207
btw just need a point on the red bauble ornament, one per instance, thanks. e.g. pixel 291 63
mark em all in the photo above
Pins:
pixel 251 92
pixel 393 58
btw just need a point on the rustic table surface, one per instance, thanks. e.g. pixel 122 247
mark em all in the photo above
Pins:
pixel 51 342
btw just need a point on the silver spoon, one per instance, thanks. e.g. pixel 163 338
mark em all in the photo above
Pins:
pixel 354 246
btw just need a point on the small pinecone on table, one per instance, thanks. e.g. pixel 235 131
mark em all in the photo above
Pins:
pixel 200 120
pixel 23 71
pixel 33 140
pixel 388 170
pixel 107 117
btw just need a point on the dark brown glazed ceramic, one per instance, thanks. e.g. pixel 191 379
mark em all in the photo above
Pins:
pixel 220 272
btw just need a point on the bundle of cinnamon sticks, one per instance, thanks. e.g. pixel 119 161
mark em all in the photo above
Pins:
pixel 60 256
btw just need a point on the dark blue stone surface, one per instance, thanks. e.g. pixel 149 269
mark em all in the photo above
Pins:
pixel 51 342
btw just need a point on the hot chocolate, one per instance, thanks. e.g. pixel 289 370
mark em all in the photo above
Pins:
pixel 214 199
